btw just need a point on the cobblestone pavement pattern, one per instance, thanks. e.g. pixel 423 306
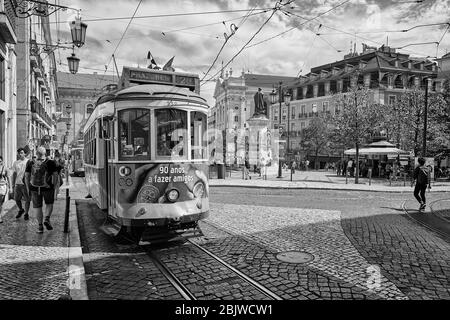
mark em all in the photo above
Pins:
pixel 317 232
pixel 32 265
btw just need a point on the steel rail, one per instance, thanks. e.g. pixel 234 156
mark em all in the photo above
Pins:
pixel 178 285
pixel 255 284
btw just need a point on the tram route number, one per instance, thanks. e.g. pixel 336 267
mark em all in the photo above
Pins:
pixel 225 310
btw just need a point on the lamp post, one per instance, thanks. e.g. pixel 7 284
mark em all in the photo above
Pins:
pixel 287 101
pixel 425 120
pixel 273 100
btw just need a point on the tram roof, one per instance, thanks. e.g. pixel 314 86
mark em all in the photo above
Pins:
pixel 154 91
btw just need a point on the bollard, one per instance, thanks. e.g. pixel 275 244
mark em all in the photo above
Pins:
pixel 346 177
pixel 243 173
pixel 404 180
pixel 66 213
pixel 292 169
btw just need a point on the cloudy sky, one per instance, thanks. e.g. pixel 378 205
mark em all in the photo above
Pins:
pixel 289 41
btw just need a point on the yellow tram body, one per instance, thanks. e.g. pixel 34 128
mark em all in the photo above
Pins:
pixel 146 159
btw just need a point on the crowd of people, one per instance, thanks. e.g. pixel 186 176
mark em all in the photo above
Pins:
pixel 35 181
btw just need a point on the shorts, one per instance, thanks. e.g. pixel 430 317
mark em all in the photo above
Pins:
pixel 48 195
pixel 20 191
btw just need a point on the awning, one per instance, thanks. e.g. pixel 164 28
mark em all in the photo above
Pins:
pixel 377 151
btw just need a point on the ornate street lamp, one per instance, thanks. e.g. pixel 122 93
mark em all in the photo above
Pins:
pixel 73 63
pixel 287 102
pixel 78 31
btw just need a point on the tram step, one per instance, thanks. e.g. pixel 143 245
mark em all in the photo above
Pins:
pixel 111 229
pixel 170 236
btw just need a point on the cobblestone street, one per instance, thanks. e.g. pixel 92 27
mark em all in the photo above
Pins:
pixel 363 247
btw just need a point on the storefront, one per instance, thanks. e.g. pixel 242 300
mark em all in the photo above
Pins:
pixel 382 157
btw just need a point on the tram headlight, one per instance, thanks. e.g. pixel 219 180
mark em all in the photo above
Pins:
pixel 172 195
pixel 199 190
pixel 124 171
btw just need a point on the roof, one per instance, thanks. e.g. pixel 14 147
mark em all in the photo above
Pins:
pixel 265 80
pixel 154 92
pixel 379 151
pixel 84 81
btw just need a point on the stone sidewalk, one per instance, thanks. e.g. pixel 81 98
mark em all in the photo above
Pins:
pixel 322 180
pixel 41 266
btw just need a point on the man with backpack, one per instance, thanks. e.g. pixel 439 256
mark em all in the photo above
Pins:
pixel 423 179
pixel 41 177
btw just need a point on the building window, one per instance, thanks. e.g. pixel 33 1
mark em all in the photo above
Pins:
pixel 325 106
pixel 89 109
pixel 293 113
pixel 292 126
pixel 336 109
pixel 303 109
pixel 302 125
pixel 275 118
pixel 391 100
pixel 2 78
pixel 236 118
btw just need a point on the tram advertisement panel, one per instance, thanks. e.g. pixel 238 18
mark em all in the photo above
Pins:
pixel 158 190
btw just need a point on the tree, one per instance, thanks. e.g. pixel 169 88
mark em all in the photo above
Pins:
pixel 357 119
pixel 315 137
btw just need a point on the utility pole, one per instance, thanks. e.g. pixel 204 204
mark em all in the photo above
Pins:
pixel 425 120
pixel 280 174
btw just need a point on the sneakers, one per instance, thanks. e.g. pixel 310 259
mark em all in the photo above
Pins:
pixel 422 207
pixel 26 216
pixel 47 224
pixel 20 213
pixel 40 229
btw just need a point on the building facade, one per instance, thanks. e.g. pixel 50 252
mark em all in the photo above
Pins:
pixel 235 105
pixel 78 94
pixel 387 73
pixel 37 82
pixel 8 76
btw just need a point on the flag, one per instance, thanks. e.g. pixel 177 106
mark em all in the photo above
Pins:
pixel 152 61
pixel 168 65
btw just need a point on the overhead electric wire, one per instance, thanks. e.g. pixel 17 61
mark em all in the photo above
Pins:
pixel 172 15
pixel 226 40
pixel 286 31
pixel 123 34
pixel 277 7
pixel 354 35
pixel 439 42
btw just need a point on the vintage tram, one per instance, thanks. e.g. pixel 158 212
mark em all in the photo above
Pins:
pixel 77 161
pixel 146 161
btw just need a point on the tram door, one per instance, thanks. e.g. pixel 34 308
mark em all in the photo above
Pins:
pixel 109 167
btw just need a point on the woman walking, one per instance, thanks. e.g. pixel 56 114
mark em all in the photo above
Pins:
pixel 4 186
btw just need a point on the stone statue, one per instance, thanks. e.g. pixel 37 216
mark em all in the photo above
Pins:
pixel 260 104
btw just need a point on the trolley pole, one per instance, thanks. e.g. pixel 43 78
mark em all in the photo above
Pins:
pixel 66 213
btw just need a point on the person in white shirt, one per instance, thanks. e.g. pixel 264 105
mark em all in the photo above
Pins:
pixel 20 189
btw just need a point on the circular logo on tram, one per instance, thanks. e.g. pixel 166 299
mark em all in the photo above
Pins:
pixel 148 194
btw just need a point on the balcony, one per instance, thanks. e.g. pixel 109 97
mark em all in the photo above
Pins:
pixel 39 113
pixel 7 23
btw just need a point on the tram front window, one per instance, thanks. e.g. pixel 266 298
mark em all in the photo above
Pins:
pixel 198 139
pixel 134 134
pixel 171 133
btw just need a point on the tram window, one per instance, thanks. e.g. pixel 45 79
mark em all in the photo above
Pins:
pixel 171 133
pixel 134 134
pixel 198 142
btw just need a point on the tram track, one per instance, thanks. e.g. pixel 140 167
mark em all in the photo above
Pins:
pixel 187 294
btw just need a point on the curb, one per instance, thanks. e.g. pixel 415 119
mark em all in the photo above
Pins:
pixel 77 276
pixel 438 214
pixel 312 188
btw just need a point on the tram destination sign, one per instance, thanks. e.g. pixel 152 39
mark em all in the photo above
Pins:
pixel 150 76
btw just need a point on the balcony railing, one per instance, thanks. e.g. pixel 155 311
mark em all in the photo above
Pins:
pixel 37 108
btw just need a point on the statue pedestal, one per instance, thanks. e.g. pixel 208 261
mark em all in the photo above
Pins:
pixel 260 151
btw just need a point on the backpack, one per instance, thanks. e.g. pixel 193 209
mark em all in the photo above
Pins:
pixel 422 176
pixel 39 174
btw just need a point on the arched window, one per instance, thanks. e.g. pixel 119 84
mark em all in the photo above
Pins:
pixel 89 108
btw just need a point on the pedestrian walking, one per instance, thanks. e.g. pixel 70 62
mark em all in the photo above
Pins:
pixel 18 184
pixel 59 166
pixel 422 178
pixel 40 178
